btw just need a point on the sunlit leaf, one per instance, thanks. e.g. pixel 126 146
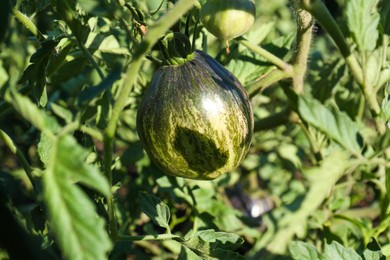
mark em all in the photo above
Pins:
pixel 80 232
pixel 303 251
pixel 337 251
pixel 335 124
pixel 363 23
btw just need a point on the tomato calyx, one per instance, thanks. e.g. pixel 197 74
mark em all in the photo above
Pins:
pixel 176 48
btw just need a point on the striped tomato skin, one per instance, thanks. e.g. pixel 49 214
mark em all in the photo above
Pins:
pixel 195 119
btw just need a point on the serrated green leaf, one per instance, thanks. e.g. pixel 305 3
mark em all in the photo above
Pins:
pixel 337 125
pixel 35 73
pixel 80 232
pixel 30 112
pixel 336 250
pixel 363 23
pixel 156 210
pixel 303 251
pixel 215 244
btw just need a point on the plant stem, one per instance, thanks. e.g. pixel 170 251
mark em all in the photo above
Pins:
pixel 265 81
pixel 19 155
pixel 149 237
pixel 305 24
pixel 90 58
pixel 28 24
pixel 278 62
pixel 156 31
pixel 323 16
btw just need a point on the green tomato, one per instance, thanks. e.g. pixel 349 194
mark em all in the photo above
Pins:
pixel 195 120
pixel 228 19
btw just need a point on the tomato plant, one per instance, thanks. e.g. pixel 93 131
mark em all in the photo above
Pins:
pixel 78 181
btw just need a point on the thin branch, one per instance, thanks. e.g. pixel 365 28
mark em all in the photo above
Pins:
pixel 26 21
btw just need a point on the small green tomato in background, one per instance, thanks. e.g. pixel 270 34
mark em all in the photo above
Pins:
pixel 228 19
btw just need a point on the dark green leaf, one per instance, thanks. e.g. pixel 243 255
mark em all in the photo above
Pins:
pixel 215 244
pixel 385 16
pixel 363 23
pixel 303 251
pixel 156 210
pixel 35 73
pixel 373 251
pixel 4 18
pixel 59 56
pixel 335 124
pixel 89 93
pixel 80 232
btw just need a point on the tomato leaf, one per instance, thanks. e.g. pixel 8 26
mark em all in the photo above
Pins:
pixel 156 210
pixel 363 23
pixel 336 124
pixel 215 244
pixel 35 73
pixel 30 112
pixel 303 251
pixel 337 251
pixel 79 231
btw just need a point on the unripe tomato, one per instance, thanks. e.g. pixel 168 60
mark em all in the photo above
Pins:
pixel 228 19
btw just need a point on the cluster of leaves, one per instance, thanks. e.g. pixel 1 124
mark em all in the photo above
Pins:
pixel 315 184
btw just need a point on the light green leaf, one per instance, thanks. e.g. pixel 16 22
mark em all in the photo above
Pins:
pixel 337 251
pixel 156 210
pixel 363 23
pixel 335 124
pixel 303 251
pixel 215 244
pixel 80 232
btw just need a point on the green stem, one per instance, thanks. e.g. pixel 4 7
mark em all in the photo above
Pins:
pixel 90 58
pixel 28 24
pixel 323 16
pixel 19 155
pixel 265 81
pixel 278 62
pixel 156 31
pixel 149 237
pixel 305 24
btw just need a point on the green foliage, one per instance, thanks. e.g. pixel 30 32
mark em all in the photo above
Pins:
pixel 334 250
pixel 77 184
pixel 363 22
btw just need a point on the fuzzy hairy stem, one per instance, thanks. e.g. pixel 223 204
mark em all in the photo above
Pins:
pixel 326 20
pixel 27 23
pixel 305 24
